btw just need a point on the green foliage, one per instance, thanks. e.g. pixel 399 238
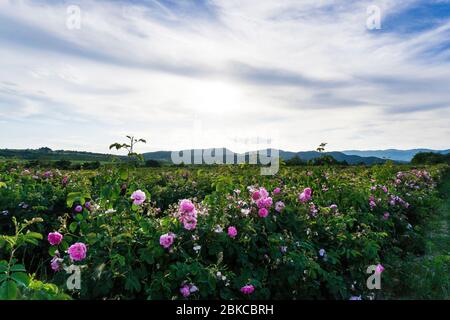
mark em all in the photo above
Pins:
pixel 430 158
pixel 278 255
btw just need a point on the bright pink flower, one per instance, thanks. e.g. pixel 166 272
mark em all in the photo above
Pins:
pixel 256 195
pixel 276 191
pixel 232 232
pixel 263 192
pixel 186 206
pixel 248 289
pixel 185 291
pixel 78 208
pixel 264 202
pixel 138 197
pixel 379 269
pixel 77 251
pixel 55 238
pixel 263 212
pixel 166 240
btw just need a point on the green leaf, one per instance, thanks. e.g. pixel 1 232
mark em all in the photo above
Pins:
pixel 2 185
pixel 72 197
pixel 8 290
pixel 52 250
pixel 21 278
pixel 18 268
pixel 34 235
pixel 3 277
pixel 3 266
pixel 79 217
pixel 73 227
pixel 123 172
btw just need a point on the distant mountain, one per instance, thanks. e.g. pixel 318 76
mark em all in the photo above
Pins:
pixel 392 154
pixel 46 154
pixel 285 155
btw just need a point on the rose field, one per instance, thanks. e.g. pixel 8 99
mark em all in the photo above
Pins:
pixel 224 232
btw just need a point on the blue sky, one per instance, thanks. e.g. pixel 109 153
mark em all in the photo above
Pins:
pixel 215 73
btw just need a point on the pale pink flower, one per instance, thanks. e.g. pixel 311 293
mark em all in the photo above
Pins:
pixel 279 206
pixel 138 197
pixel 305 196
pixel 166 240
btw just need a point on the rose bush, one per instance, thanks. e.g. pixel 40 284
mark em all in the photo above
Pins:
pixel 218 233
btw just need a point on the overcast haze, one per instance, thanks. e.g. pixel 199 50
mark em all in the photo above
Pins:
pixel 219 73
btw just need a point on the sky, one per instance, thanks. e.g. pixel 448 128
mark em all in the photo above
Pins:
pixel 81 74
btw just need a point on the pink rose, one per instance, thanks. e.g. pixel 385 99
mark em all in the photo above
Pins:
pixel 256 195
pixel 276 191
pixel 305 196
pixel 55 238
pixel 379 269
pixel 279 206
pixel 190 223
pixel 56 263
pixel 138 197
pixel 263 212
pixel 232 232
pixel 185 291
pixel 77 251
pixel 186 206
pixel 166 240
pixel 248 289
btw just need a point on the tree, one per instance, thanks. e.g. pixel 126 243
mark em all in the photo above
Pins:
pixel 295 161
pixel 152 163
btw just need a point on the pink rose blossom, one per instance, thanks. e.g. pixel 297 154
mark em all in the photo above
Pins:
pixel 263 212
pixel 232 232
pixel 190 223
pixel 56 263
pixel 185 291
pixel 256 195
pixel 77 251
pixel 279 206
pixel 379 269
pixel 55 238
pixel 166 240
pixel 138 197
pixel 276 191
pixel 186 206
pixel 248 289
pixel 305 196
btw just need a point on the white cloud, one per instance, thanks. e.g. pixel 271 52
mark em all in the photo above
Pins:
pixel 302 71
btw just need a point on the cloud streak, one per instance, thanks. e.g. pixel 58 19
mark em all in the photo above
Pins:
pixel 294 69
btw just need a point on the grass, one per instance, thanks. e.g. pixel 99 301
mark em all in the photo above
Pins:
pixel 428 276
